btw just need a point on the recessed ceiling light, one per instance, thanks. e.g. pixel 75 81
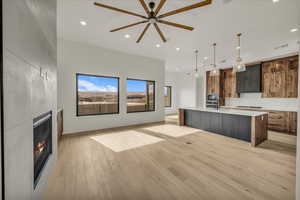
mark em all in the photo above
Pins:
pixel 238 47
pixel 177 49
pixel 205 58
pixel 275 1
pixel 158 45
pixel 83 23
pixel 127 36
pixel 294 30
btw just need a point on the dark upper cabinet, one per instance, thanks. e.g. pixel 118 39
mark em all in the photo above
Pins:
pixel 249 80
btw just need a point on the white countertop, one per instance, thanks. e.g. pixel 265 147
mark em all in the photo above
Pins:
pixel 229 111
pixel 286 109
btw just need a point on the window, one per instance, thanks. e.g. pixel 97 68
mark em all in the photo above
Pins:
pixel 168 96
pixel 97 95
pixel 140 95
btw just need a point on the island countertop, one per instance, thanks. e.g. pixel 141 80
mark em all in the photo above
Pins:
pixel 228 111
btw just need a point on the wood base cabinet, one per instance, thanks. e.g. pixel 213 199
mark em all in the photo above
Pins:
pixel 283 122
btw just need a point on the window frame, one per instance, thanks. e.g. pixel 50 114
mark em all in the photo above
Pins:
pixel 170 96
pixel 154 95
pixel 77 96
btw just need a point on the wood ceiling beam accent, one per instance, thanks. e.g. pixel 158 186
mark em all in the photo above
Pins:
pixel 145 7
pixel 143 33
pixel 160 5
pixel 159 32
pixel 176 25
pixel 130 25
pixel 187 8
pixel 119 10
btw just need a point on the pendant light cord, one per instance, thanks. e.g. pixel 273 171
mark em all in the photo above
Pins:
pixel 215 55
pixel 239 45
pixel 196 60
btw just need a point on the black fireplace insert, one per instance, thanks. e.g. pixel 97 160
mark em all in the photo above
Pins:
pixel 42 143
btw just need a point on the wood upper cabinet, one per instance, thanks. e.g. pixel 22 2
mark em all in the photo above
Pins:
pixel 280 78
pixel 229 83
pixel 292 78
pixel 213 84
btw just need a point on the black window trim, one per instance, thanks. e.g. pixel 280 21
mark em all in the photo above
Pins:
pixel 168 86
pixel 113 113
pixel 154 96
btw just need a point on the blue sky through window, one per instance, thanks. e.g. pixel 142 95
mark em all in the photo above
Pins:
pixel 136 86
pixel 87 83
pixel 97 84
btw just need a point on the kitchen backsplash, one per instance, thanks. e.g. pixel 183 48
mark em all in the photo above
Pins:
pixel 255 99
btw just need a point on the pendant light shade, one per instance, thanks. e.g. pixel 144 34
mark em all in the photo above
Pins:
pixel 239 66
pixel 215 71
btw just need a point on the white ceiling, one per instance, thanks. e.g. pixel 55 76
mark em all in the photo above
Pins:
pixel 264 24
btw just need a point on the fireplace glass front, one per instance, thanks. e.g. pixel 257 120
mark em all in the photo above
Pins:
pixel 42 143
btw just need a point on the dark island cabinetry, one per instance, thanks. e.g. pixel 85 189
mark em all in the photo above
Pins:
pixel 248 126
pixel 235 126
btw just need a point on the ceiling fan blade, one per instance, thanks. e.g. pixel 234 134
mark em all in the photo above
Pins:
pixel 130 25
pixel 143 33
pixel 160 5
pixel 176 25
pixel 160 33
pixel 119 10
pixel 187 8
pixel 145 7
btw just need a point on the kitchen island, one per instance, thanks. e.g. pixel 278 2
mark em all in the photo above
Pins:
pixel 249 126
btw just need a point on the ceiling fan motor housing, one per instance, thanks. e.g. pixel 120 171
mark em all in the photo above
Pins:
pixel 151 5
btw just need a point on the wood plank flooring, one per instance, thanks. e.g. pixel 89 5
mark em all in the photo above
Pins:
pixel 211 167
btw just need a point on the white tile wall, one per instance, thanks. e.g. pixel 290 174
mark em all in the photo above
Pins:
pixel 255 99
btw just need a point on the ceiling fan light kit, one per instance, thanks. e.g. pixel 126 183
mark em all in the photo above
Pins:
pixel 153 16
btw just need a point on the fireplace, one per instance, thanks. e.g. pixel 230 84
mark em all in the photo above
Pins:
pixel 42 143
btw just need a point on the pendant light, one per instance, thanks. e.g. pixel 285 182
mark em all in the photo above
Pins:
pixel 239 66
pixel 196 69
pixel 215 71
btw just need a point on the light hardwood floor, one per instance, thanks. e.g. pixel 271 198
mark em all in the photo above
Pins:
pixel 197 166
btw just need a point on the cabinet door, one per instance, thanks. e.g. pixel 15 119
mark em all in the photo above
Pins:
pixel 205 121
pixel 292 78
pixel 213 84
pixel 274 78
pixel 253 78
pixel 230 84
pixel 228 124
pixel 292 123
pixel 243 131
pixel 277 121
pixel 188 117
pixel 215 123
pixel 240 82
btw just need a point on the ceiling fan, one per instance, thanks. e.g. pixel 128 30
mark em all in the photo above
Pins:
pixel 153 16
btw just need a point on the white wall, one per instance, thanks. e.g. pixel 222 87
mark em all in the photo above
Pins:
pixel 188 91
pixel 81 58
pixel 27 48
pixel 171 80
